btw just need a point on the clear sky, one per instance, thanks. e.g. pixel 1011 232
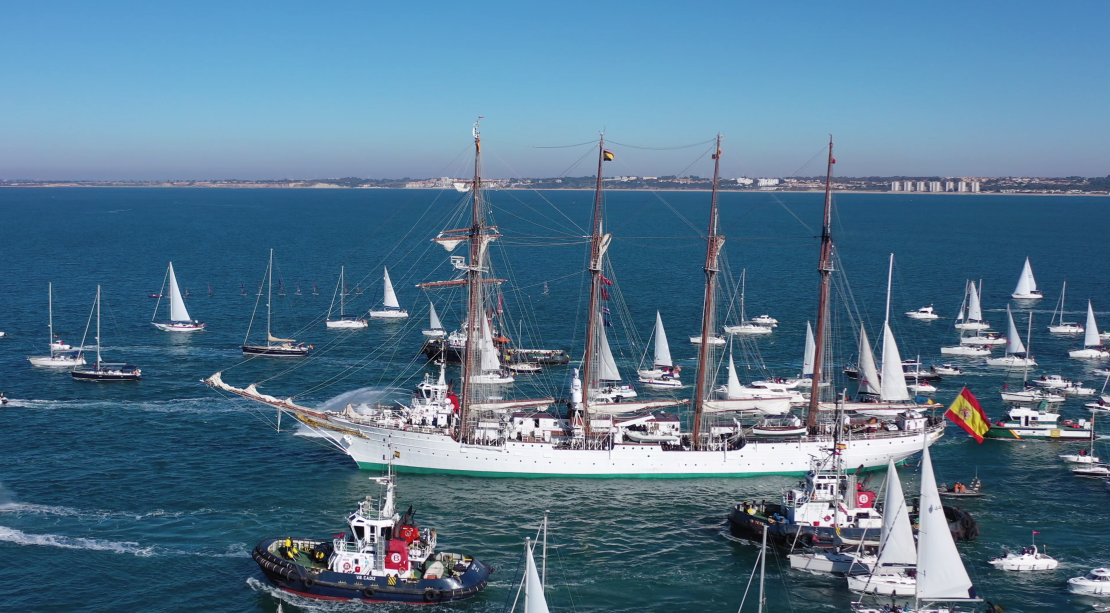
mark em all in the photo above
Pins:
pixel 151 90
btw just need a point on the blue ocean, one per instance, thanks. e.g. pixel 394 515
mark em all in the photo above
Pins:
pixel 149 496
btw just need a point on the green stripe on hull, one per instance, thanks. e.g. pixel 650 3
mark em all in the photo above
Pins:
pixel 1001 433
pixel 508 475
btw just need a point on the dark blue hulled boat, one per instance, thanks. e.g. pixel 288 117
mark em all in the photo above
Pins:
pixel 382 557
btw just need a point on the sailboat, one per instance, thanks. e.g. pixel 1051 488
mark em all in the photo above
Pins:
pixel 1016 354
pixel 897 549
pixel 746 326
pixel 278 347
pixel 1027 286
pixel 489 361
pixel 1061 326
pixel 391 308
pixel 734 397
pixel 533 582
pixel 468 436
pixel 1092 341
pixel 314 292
pixel 179 315
pixel 435 327
pixel 345 322
pixel 972 319
pixel 61 354
pixel 663 373
pixel 104 371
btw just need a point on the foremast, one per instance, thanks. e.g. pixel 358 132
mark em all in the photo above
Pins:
pixel 476 237
pixel 824 269
pixel 708 321
pixel 598 244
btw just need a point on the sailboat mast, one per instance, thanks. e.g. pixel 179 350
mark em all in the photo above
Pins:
pixel 889 277
pixel 474 288
pixel 98 327
pixel 595 293
pixel 342 280
pixel 269 293
pixel 50 302
pixel 824 269
pixel 712 250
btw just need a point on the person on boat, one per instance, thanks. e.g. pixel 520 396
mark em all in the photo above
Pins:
pixel 1082 452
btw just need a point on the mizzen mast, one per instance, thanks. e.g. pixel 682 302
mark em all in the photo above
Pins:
pixel 598 244
pixel 476 235
pixel 708 323
pixel 824 269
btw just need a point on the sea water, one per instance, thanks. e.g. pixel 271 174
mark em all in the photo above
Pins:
pixel 149 496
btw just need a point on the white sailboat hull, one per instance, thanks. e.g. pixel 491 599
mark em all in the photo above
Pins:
pixel 389 314
pixel 1066 329
pixel 713 340
pixel 347 324
pixel 179 326
pixel 1011 360
pixel 972 350
pixel 748 329
pixel 771 405
pixel 1036 296
pixel 51 361
pixel 973 325
pixel 883 585
pixel 1089 353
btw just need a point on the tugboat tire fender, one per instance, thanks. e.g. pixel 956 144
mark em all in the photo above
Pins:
pixel 368 593
pixel 308 582
pixel 431 595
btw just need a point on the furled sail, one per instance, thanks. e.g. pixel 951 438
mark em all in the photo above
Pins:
pixel 1091 338
pixel 274 339
pixel 433 318
pixel 1013 340
pixel 896 543
pixel 940 571
pixel 1026 283
pixel 868 373
pixel 662 349
pixel 974 309
pixel 490 361
pixel 178 312
pixel 894 380
pixel 390 296
pixel 811 347
pixel 607 366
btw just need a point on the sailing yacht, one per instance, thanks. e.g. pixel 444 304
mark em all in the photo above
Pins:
pixel 483 437
pixel 103 371
pixel 746 326
pixel 391 308
pixel 345 322
pixel 1027 286
pixel 736 398
pixel 179 315
pixel 663 373
pixel 1016 354
pixel 972 318
pixel 489 362
pixel 892 573
pixel 1061 326
pixel 61 354
pixel 1092 341
pixel 277 347
pixel 435 328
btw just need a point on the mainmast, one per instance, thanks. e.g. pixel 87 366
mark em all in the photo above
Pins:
pixel 597 250
pixel 474 288
pixel 712 251
pixel 269 294
pixel 824 269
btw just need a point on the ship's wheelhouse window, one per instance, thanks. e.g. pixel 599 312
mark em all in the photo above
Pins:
pixel 358 532
pixel 387 534
pixel 537 420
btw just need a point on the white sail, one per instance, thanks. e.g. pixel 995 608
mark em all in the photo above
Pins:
pixel 433 318
pixel 868 374
pixel 488 351
pixel 807 361
pixel 607 366
pixel 894 381
pixel 734 386
pixel 390 296
pixel 1091 338
pixel 1013 340
pixel 534 601
pixel 940 571
pixel 662 349
pixel 1026 283
pixel 974 309
pixel 178 312
pixel 896 545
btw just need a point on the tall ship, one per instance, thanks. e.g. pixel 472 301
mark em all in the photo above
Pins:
pixel 604 428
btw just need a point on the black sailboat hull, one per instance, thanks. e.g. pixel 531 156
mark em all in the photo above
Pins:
pixel 288 352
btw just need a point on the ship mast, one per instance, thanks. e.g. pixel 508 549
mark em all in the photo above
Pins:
pixel 824 269
pixel 597 249
pixel 712 251
pixel 474 289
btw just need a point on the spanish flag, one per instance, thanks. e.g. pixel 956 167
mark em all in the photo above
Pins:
pixel 607 155
pixel 966 413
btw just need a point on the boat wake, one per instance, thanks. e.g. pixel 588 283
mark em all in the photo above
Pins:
pixel 311 604
pixel 11 535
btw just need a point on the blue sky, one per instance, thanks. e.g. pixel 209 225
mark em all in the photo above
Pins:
pixel 272 90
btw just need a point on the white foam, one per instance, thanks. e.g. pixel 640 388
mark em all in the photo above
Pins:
pixel 19 537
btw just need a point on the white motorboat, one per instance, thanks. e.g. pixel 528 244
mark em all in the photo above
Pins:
pixel 1104 336
pixel 435 327
pixel 1095 583
pixel 1034 423
pixel 735 397
pixel 1097 471
pixel 1093 348
pixel 971 311
pixel 966 350
pixel 748 328
pixel 391 309
pixel 1016 355
pixel 60 354
pixel 713 340
pixel 789 426
pixel 1102 372
pixel 345 322
pixel 1027 286
pixel 274 347
pixel 1059 326
pixel 1080 458
pixel 179 315
pixel 765 320
pixel 1052 381
pixel 925 312
pixel 946 369
pixel 1030 559
pixel 990 338
pixel 525 368
pixel 1077 389
pixel 922 387
pixel 663 374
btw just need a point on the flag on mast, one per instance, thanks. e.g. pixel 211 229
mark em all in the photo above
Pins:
pixel 608 155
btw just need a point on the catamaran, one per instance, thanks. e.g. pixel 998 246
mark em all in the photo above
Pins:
pixel 179 315
pixel 391 309
pixel 277 347
pixel 472 432
pixel 1061 326
pixel 103 371
pixel 61 354
pixel 1027 286
pixel 346 322
pixel 1092 341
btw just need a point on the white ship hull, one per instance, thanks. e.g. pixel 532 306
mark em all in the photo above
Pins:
pixel 346 324
pixel 965 350
pixel 179 327
pixel 372 447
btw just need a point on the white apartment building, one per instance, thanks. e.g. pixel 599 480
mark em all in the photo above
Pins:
pixel 949 186
pixel 962 186
pixel 745 181
pixel 975 187
pixel 766 182
pixel 920 186
pixel 895 186
pixel 934 186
